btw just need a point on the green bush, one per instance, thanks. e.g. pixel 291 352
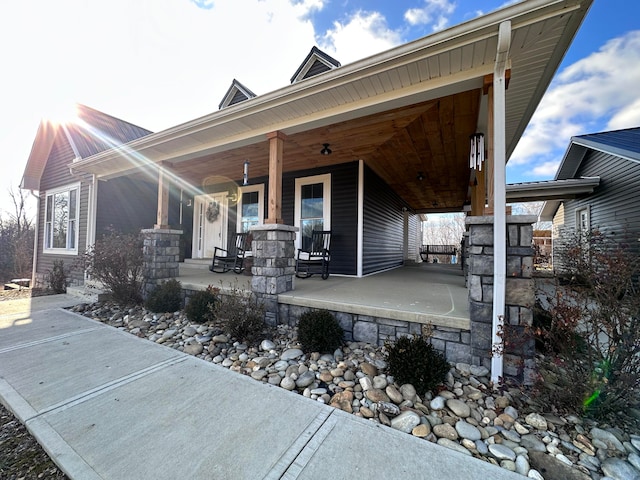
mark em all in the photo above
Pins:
pixel 57 277
pixel 116 260
pixel 319 331
pixel 200 305
pixel 165 297
pixel 240 312
pixel 415 361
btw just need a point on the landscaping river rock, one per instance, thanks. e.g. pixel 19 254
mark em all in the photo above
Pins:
pixel 503 426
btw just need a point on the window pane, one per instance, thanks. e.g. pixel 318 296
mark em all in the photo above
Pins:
pixel 60 218
pixel 307 228
pixel 72 234
pixel 312 201
pixel 72 203
pixel 47 235
pixel 49 207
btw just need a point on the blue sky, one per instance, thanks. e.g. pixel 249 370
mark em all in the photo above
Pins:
pixel 158 63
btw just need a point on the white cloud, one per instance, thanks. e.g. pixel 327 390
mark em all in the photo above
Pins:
pixel 436 12
pixel 364 34
pixel 598 92
pixel 546 169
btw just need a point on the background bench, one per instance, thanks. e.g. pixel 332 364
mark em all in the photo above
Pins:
pixel 426 250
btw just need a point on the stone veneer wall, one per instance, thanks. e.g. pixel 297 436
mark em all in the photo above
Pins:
pixel 520 296
pixel 454 343
pixel 274 265
pixel 161 253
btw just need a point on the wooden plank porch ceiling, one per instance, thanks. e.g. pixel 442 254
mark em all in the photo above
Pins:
pixel 430 138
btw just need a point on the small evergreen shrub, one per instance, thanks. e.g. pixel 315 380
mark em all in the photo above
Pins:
pixel 200 305
pixel 415 361
pixel 240 312
pixel 57 277
pixel 319 331
pixel 165 297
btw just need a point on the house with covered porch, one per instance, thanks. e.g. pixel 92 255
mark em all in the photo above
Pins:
pixel 363 150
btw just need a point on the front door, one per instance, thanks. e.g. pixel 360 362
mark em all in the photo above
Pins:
pixel 209 224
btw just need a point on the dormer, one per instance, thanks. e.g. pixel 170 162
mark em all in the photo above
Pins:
pixel 316 62
pixel 237 93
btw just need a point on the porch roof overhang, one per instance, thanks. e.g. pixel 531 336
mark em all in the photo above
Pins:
pixel 551 189
pixel 405 111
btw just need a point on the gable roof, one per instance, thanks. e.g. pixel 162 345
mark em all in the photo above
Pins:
pixel 93 132
pixel 369 109
pixel 620 143
pixel 315 63
pixel 237 93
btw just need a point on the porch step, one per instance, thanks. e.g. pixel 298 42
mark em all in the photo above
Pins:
pixel 195 264
pixel 90 292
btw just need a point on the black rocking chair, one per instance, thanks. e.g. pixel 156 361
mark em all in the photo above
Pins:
pixel 232 259
pixel 316 258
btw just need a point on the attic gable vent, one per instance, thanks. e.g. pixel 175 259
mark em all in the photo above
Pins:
pixel 316 62
pixel 237 93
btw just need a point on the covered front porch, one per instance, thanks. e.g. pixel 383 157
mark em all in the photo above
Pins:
pixel 374 308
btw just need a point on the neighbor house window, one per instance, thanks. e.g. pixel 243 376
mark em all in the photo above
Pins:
pixel 312 207
pixel 250 207
pixel 61 220
pixel 583 221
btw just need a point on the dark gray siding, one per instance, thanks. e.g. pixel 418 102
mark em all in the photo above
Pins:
pixel 383 225
pixel 344 212
pixel 614 206
pixel 126 205
pixel 56 174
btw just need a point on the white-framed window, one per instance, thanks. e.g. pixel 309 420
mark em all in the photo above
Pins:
pixel 250 207
pixel 583 221
pixel 312 206
pixel 62 210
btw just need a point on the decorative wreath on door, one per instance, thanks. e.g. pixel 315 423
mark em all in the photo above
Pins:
pixel 213 211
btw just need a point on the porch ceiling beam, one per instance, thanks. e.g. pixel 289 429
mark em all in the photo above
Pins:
pixel 276 152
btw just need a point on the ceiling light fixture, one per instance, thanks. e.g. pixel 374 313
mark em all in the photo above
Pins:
pixel 325 149
pixel 420 176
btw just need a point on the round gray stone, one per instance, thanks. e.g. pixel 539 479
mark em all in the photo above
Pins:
pixel 445 442
pixel 536 421
pixel 501 452
pixel 445 430
pixel 291 354
pixel 458 407
pixel 306 379
pixel 619 469
pixel 522 465
pixel 406 421
pixel 288 383
pixel 438 403
pixel 468 431
pixel 267 345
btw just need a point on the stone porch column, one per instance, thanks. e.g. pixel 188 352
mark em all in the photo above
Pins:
pixel 273 265
pixel 519 350
pixel 161 253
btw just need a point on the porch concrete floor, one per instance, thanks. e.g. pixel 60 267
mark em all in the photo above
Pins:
pixel 424 293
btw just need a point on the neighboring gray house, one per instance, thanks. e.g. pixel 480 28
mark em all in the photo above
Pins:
pixel 614 205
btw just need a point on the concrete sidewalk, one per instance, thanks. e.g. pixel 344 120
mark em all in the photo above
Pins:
pixel 107 405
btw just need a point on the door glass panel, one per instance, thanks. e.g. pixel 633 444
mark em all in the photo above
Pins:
pixel 249 210
pixel 311 211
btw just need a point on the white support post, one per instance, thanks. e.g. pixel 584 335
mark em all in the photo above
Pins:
pixel 499 210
